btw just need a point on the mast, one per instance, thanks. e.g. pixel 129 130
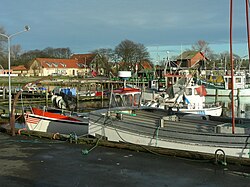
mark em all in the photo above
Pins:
pixel 248 34
pixel 232 64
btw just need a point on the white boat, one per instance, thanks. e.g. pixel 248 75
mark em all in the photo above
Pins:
pixel 159 128
pixel 188 98
pixel 163 128
pixel 224 88
pixel 44 121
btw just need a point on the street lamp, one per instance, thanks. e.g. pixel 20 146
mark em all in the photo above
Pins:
pixel 26 28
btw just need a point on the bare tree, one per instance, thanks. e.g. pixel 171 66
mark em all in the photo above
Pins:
pixel 104 59
pixel 131 53
pixel 3 49
pixel 57 52
pixel 203 46
pixel 15 51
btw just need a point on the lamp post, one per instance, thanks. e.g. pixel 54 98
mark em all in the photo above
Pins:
pixel 26 28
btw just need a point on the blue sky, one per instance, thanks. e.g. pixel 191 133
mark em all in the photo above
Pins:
pixel 85 25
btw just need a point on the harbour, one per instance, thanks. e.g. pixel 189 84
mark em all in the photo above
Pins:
pixel 118 117
pixel 155 137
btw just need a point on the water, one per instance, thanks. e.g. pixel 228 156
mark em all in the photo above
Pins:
pixel 241 106
pixel 92 105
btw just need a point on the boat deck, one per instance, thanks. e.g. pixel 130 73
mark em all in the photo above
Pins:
pixel 187 122
pixel 168 126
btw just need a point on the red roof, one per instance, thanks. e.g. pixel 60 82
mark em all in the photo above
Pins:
pixel 83 58
pixel 59 63
pixel 146 65
pixel 18 68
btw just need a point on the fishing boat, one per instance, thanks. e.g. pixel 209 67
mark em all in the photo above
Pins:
pixel 45 121
pixel 167 129
pixel 187 97
pixel 224 87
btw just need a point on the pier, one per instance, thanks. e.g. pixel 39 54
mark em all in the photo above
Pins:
pixel 43 97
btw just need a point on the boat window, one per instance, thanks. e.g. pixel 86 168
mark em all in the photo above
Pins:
pixel 238 80
pixel 118 100
pixel 195 92
pixel 137 99
pixel 188 91
pixel 128 100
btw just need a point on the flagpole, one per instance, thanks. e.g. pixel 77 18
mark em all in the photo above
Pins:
pixel 232 65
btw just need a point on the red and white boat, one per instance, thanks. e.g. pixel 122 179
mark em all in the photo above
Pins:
pixel 125 97
pixel 44 121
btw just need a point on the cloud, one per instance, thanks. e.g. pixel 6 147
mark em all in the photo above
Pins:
pixel 86 24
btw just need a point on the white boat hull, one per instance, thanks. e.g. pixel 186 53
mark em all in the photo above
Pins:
pixel 118 135
pixel 45 124
pixel 150 134
pixel 213 111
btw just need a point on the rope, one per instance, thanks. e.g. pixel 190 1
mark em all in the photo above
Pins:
pixel 73 136
pixel 83 135
pixel 55 135
pixel 23 129
pixel 135 143
pixel 157 133
pixel 86 151
pixel 22 102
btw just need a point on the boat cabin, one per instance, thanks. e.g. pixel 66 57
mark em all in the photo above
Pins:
pixel 125 97
pixel 239 81
pixel 193 96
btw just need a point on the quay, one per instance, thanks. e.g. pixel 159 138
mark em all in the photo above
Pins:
pixel 34 161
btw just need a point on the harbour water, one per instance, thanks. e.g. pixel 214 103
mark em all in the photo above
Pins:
pixel 241 106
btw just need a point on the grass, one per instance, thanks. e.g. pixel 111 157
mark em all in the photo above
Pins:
pixel 19 81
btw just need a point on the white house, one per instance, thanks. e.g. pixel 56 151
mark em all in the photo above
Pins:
pixel 50 66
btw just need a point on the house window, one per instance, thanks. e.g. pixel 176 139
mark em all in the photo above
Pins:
pixel 63 65
pixel 55 65
pixel 79 65
pixel 49 64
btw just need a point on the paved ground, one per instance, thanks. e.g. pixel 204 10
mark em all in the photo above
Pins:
pixel 26 161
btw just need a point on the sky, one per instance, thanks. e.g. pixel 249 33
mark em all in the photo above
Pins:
pixel 165 27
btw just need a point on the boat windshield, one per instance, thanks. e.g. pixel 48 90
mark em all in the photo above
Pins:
pixel 131 99
pixel 126 100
